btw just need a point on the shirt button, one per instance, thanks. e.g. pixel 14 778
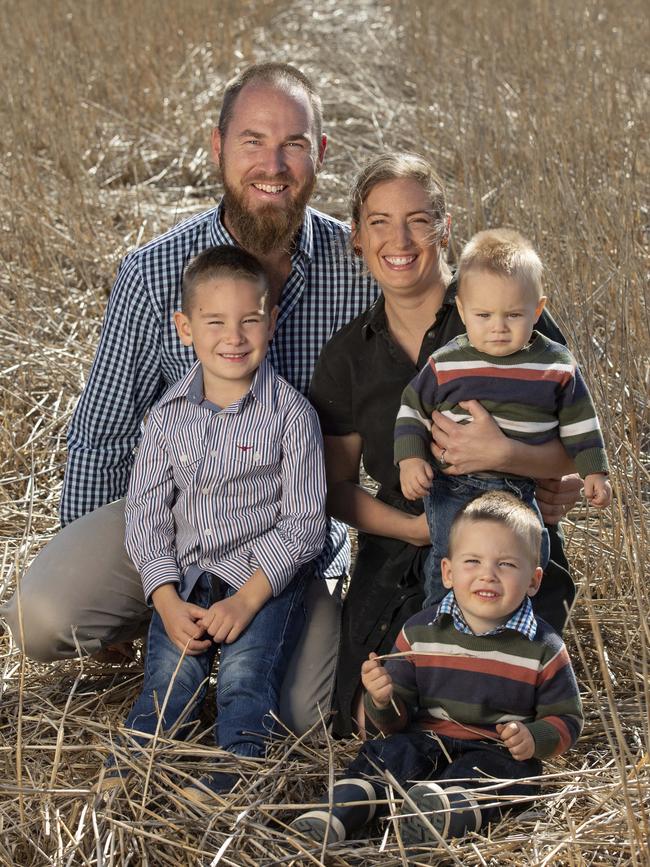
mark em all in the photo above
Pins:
pixel 208 532
pixel 384 627
pixel 183 459
pixel 205 491
pixel 214 454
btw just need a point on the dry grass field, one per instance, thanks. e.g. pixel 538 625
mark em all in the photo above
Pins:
pixel 536 114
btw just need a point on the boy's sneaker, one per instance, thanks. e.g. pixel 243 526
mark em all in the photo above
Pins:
pixel 452 812
pixel 316 823
pixel 209 788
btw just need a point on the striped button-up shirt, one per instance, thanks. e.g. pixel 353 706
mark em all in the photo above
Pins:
pixel 522 620
pixel 139 354
pixel 227 490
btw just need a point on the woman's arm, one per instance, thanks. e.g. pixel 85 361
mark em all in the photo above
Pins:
pixel 481 446
pixel 349 502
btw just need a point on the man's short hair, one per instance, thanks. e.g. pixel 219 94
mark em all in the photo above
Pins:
pixel 281 75
pixel 219 261
pixel 504 252
pixel 505 509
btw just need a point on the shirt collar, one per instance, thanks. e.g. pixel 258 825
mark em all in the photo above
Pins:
pixel 522 620
pixel 377 322
pixel 304 241
pixel 191 387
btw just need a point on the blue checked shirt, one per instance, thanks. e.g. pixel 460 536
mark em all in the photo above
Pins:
pixel 227 490
pixel 522 620
pixel 139 354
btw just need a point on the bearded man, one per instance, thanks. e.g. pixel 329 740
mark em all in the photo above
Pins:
pixel 82 593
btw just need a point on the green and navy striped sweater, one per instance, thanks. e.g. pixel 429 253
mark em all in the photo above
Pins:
pixel 534 395
pixel 462 685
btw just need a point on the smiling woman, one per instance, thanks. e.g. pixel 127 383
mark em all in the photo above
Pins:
pixel 401 228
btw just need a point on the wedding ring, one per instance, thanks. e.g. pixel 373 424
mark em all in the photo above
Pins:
pixel 442 456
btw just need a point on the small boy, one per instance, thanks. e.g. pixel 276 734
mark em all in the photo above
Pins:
pixel 478 691
pixel 530 385
pixel 226 502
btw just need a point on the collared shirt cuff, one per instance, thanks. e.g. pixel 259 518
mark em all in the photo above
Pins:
pixel 271 554
pixel 156 573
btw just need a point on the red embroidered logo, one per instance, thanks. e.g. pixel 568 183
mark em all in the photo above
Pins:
pixel 244 448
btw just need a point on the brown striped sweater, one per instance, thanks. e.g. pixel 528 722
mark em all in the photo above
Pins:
pixel 463 685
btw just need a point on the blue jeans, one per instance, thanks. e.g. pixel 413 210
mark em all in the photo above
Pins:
pixel 251 670
pixel 447 495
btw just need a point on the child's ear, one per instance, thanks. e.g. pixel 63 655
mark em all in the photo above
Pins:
pixel 447 579
pixel 183 328
pixel 535 581
pixel 541 304
pixel 273 318
pixel 459 306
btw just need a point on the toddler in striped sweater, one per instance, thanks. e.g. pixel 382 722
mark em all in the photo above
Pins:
pixel 530 385
pixel 476 691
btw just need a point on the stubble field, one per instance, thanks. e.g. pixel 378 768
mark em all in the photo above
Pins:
pixel 536 115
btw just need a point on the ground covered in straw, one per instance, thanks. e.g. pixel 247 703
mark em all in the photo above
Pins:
pixel 536 116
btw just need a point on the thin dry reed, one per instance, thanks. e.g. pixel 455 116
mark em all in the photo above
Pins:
pixel 536 115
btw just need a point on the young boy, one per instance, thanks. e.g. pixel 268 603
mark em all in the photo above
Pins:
pixel 530 385
pixel 478 691
pixel 226 502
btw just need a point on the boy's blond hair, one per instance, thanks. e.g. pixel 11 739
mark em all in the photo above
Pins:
pixel 505 509
pixel 505 252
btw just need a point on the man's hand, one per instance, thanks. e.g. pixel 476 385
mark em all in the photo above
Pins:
pixel 415 477
pixel 377 681
pixel 468 448
pixel 598 490
pixel 182 620
pixel 226 620
pixel 518 739
pixel 556 497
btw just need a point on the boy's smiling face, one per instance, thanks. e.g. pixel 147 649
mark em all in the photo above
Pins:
pixel 229 327
pixel 499 313
pixel 491 570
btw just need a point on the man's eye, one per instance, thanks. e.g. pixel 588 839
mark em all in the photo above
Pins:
pixel 296 144
pixel 376 221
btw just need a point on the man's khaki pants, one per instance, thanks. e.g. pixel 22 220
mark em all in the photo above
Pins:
pixel 83 586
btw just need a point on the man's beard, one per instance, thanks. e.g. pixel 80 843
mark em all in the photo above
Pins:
pixel 270 228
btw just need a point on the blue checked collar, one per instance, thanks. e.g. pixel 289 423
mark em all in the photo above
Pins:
pixel 304 245
pixel 522 620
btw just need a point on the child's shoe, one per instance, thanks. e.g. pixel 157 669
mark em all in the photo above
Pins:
pixel 452 812
pixel 353 805
pixel 209 788
pixel 315 824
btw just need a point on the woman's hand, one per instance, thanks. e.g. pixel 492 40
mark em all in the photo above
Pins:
pixel 556 497
pixel 468 448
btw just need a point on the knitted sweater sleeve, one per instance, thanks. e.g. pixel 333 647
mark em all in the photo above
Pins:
pixel 558 721
pixel 579 427
pixel 413 425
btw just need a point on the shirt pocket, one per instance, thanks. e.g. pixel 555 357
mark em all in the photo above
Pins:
pixel 256 454
pixel 187 451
